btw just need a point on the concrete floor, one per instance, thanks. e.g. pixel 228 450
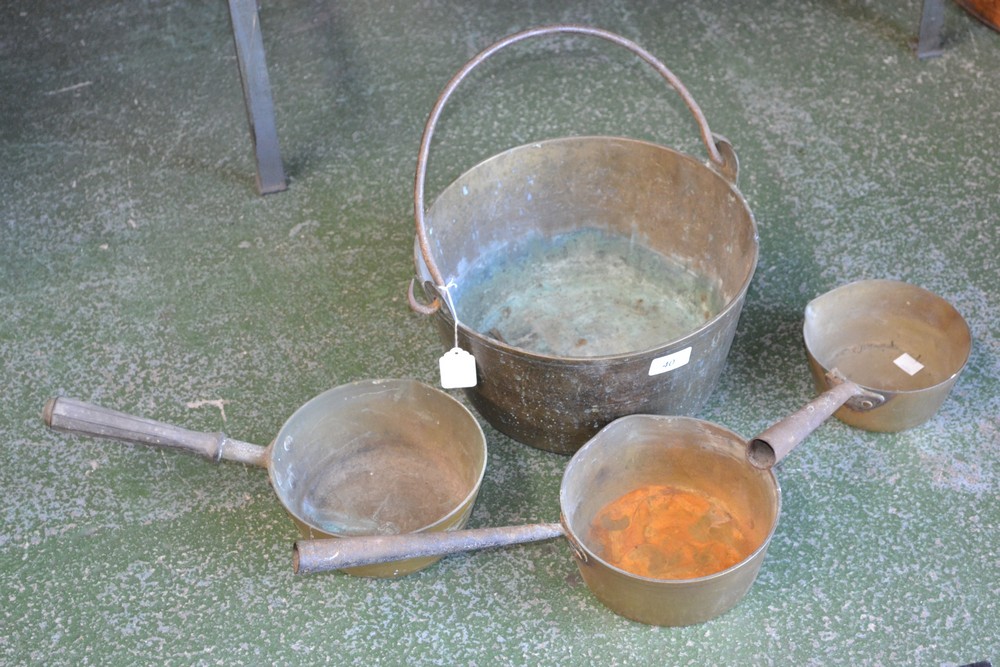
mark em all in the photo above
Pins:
pixel 140 270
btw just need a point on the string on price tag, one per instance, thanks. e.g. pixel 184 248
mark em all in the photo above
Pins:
pixel 458 367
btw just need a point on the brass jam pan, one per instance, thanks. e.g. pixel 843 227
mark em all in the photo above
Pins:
pixel 591 277
pixel 370 457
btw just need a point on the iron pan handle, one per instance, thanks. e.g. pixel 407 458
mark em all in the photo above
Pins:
pixel 71 415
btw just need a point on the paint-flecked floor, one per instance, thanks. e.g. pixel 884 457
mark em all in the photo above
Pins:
pixel 139 269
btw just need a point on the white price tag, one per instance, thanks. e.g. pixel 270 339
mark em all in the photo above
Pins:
pixel 909 365
pixel 670 362
pixel 458 369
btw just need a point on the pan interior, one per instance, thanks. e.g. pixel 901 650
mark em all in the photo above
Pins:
pixel 378 457
pixel 585 293
pixel 586 247
pixel 887 335
pixel 663 531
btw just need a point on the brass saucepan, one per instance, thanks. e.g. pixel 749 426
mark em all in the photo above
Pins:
pixel 727 478
pixel 370 457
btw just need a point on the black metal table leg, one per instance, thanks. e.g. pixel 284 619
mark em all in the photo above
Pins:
pixel 931 23
pixel 257 95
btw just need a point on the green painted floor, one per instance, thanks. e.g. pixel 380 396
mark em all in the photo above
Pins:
pixel 139 269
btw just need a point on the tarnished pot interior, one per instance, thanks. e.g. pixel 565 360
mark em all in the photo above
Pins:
pixel 646 201
pixel 686 454
pixel 892 338
pixel 378 457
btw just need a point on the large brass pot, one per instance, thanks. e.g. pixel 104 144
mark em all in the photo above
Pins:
pixel 526 201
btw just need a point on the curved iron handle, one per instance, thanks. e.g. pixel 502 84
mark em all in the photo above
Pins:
pixel 419 307
pixel 425 142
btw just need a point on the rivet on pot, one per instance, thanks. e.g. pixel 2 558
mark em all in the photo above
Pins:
pixel 574 546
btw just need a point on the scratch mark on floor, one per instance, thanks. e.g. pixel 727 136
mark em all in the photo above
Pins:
pixel 218 403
